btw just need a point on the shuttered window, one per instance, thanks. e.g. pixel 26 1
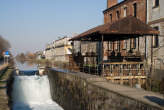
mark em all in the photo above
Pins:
pixel 156 39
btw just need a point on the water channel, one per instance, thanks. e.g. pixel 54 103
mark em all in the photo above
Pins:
pixel 31 91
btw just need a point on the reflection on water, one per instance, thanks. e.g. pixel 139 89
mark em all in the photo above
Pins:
pixel 26 65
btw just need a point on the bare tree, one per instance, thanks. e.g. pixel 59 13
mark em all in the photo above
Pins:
pixel 4 45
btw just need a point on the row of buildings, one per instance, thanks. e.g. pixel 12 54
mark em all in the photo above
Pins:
pixel 129 43
pixel 59 50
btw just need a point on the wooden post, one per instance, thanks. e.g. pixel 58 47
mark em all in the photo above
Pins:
pixel 138 44
pixel 151 55
pixel 130 43
pixel 108 47
pixel 113 45
pixel 151 71
pixel 108 50
pixel 102 46
pixel 119 45
pixel 145 48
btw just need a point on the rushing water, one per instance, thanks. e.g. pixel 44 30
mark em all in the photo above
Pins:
pixel 32 93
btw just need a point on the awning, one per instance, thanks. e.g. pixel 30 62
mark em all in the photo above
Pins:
pixel 122 29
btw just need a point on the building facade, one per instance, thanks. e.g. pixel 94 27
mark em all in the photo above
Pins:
pixel 49 51
pixel 59 50
pixel 155 18
pixel 62 50
pixel 116 11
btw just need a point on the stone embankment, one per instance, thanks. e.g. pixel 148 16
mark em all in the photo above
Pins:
pixel 79 91
pixel 5 73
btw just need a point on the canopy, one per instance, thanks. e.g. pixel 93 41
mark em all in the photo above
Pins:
pixel 122 29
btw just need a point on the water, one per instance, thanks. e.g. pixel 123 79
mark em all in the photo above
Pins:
pixel 32 93
pixel 26 65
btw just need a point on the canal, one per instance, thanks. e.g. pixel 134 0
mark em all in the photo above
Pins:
pixel 31 91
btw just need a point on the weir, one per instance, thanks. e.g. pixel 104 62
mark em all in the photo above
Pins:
pixel 77 91
pixel 32 93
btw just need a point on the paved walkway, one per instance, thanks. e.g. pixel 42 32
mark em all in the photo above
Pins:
pixel 147 97
pixel 3 66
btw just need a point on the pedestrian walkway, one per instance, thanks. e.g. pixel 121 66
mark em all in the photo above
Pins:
pixel 147 97
pixel 3 66
pixel 3 89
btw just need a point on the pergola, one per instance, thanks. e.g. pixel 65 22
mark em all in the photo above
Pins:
pixel 125 28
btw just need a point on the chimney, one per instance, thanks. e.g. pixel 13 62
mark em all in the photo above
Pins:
pixel 111 3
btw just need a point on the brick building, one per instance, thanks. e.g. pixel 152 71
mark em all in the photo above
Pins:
pixel 116 11
pixel 122 40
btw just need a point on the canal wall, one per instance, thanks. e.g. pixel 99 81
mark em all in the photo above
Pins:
pixel 79 91
pixel 5 75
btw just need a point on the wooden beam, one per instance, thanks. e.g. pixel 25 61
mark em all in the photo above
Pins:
pixel 125 77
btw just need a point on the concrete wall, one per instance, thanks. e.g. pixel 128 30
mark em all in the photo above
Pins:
pixel 154 13
pixel 79 91
pixel 5 89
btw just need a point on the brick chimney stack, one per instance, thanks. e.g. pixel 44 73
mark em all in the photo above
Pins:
pixel 111 3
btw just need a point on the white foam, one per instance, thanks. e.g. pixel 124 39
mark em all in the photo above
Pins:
pixel 32 93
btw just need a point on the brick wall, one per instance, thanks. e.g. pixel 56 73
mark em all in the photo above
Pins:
pixel 111 3
pixel 141 10
pixel 120 9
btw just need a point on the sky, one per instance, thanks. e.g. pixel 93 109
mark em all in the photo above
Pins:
pixel 30 24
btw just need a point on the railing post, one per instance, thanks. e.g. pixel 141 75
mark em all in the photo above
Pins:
pixel 89 69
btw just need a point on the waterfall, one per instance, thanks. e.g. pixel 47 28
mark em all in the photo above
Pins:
pixel 32 93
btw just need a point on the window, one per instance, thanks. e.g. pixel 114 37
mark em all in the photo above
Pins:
pixel 118 14
pixel 156 39
pixel 135 9
pixel 110 45
pixel 155 3
pixel 133 43
pixel 116 45
pixel 110 18
pixel 124 44
pixel 125 11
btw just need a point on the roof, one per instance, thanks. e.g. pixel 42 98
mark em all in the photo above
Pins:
pixel 121 29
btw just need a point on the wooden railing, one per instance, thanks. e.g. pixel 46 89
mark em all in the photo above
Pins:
pixel 124 69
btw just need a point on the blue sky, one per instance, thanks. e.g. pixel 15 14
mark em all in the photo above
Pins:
pixel 30 24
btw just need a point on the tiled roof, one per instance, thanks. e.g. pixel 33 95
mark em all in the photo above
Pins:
pixel 128 26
